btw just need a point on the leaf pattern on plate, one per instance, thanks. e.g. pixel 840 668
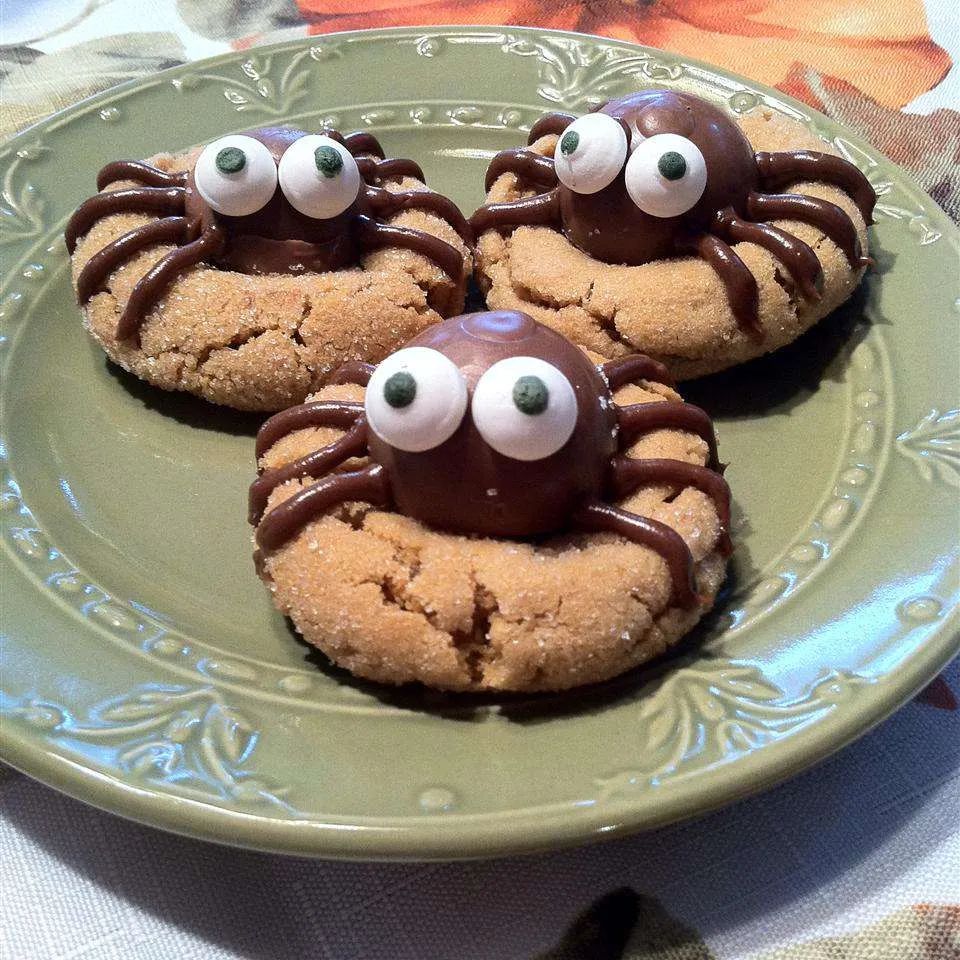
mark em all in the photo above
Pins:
pixel 711 713
pixel 256 91
pixel 577 76
pixel 187 738
pixel 22 206
pixel 933 445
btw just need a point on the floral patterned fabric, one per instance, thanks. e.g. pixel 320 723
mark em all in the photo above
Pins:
pixel 875 66
pixel 869 871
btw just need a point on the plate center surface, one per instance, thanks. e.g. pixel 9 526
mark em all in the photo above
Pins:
pixel 145 491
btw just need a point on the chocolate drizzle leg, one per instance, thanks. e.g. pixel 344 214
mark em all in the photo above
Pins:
pixel 360 142
pixel 639 418
pixel 825 216
pixel 160 200
pixel 353 371
pixel 373 170
pixel 635 367
pixel 151 286
pixel 288 518
pixel 140 172
pixel 597 517
pixel 550 123
pixel 386 203
pixel 779 170
pixel 318 413
pixel 352 444
pixel 799 259
pixel 540 210
pixel 373 235
pixel 628 474
pixel 740 284
pixel 525 165
pixel 96 270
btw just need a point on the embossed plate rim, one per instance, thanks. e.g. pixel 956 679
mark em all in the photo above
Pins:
pixel 468 836
pixel 508 831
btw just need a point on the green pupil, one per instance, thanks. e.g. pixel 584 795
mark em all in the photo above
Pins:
pixel 671 165
pixel 569 142
pixel 400 389
pixel 530 395
pixel 231 160
pixel 329 162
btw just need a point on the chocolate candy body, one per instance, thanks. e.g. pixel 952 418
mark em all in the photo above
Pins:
pixel 278 238
pixel 610 227
pixel 464 485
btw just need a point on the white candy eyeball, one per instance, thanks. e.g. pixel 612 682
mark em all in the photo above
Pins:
pixel 415 399
pixel 666 175
pixel 319 176
pixel 590 153
pixel 524 408
pixel 236 175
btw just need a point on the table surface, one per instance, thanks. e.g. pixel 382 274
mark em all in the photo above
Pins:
pixel 858 858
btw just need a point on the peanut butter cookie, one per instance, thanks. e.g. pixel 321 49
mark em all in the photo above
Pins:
pixel 658 224
pixel 490 508
pixel 245 271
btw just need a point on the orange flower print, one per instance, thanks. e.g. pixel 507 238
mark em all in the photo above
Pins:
pixel 882 48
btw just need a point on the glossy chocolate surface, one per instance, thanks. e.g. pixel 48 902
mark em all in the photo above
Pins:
pixel 464 485
pixel 610 227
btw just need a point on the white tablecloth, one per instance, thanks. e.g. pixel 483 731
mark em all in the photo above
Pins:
pixel 855 847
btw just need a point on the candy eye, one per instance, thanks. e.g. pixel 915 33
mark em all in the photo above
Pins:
pixel 319 177
pixel 590 153
pixel 415 399
pixel 235 175
pixel 524 408
pixel 666 175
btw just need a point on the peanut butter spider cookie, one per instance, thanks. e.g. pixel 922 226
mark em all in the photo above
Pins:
pixel 660 224
pixel 244 272
pixel 489 509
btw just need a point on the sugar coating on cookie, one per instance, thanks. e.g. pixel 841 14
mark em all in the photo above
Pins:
pixel 658 223
pixel 245 271
pixel 571 524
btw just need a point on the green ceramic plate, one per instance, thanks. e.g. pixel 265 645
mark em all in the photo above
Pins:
pixel 144 668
